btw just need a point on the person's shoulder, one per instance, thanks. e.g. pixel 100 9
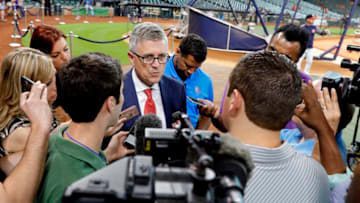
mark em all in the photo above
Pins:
pixel 57 134
pixel 171 81
pixel 21 131
pixel 310 166
pixel 50 193
pixel 127 81
pixel 128 74
pixel 53 187
pixel 314 176
pixel 203 75
pixel 170 69
pixel 17 122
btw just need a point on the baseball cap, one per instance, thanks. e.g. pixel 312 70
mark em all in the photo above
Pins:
pixel 310 16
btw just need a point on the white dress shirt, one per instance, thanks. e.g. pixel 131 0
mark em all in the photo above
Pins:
pixel 140 88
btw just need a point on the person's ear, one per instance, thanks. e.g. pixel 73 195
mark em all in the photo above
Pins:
pixel 237 103
pixel 131 58
pixel 110 103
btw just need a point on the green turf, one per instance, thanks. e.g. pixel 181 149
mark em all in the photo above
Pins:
pixel 98 32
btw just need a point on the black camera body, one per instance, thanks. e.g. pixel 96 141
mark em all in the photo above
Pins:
pixel 216 169
pixel 333 80
pixel 348 91
pixel 137 180
pixel 157 143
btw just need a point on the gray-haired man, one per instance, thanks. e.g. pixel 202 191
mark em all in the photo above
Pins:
pixel 145 85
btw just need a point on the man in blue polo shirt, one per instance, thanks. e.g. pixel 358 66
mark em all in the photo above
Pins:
pixel 184 66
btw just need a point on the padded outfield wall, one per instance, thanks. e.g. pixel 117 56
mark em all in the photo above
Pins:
pixel 222 35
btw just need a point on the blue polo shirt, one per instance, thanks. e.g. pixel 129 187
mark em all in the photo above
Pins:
pixel 198 85
pixel 293 137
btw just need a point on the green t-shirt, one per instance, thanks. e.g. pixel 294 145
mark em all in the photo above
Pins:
pixel 67 162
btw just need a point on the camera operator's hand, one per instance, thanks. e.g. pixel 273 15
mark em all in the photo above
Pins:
pixel 307 132
pixel 330 106
pixel 313 116
pixel 311 113
pixel 116 150
pixel 36 107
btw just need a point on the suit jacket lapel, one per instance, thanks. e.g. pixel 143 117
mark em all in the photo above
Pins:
pixel 130 93
pixel 164 98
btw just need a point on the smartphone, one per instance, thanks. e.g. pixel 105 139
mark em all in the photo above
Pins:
pixel 129 113
pixel 196 101
pixel 26 84
pixel 130 142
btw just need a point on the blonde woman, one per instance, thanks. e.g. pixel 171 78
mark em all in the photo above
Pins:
pixel 14 125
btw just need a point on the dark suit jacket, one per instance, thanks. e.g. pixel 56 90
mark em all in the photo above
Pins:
pixel 172 95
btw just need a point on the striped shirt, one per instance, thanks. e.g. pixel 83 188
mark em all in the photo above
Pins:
pixel 283 175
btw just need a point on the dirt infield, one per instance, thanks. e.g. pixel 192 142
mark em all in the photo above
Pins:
pixel 325 43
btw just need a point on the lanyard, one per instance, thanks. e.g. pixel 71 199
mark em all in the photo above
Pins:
pixel 86 147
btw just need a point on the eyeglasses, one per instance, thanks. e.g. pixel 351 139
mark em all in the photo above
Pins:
pixel 150 59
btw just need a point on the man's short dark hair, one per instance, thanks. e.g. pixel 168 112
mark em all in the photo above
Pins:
pixel 295 33
pixel 86 82
pixel 195 46
pixel 271 87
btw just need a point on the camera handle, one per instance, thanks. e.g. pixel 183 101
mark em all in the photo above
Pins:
pixel 354 146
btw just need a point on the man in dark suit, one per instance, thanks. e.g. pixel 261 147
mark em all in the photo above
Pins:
pixel 145 85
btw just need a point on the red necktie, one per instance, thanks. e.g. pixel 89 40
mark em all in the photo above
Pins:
pixel 149 103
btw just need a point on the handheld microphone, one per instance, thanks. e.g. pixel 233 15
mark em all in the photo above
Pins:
pixel 184 120
pixel 138 130
pixel 146 121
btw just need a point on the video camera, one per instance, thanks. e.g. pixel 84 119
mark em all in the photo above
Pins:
pixel 171 146
pixel 216 169
pixel 348 90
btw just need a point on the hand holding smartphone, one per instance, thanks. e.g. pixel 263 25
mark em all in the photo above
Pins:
pixel 196 101
pixel 129 113
pixel 26 84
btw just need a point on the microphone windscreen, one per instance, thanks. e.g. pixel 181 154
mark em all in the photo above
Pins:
pixel 235 150
pixel 176 116
pixel 146 121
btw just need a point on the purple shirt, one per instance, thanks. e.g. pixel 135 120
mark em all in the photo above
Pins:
pixel 338 194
